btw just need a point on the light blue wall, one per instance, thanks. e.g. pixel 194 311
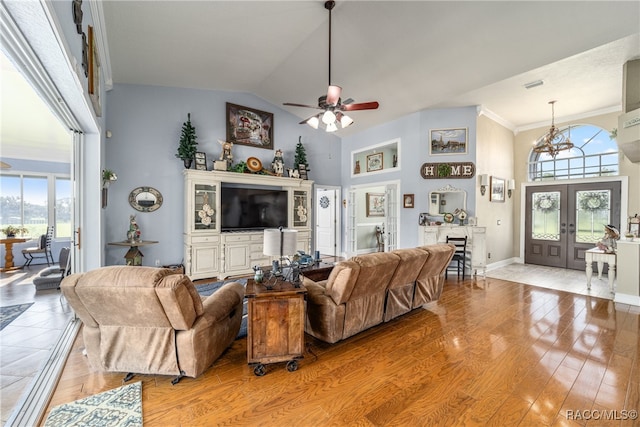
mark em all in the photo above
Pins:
pixel 413 130
pixel 146 122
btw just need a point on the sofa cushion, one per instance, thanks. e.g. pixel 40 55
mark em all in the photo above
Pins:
pixel 340 283
pixel 430 281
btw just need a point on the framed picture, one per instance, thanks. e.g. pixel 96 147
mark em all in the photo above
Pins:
pixel 248 126
pixel 201 161
pixel 634 228
pixel 448 141
pixel 408 200
pixel 94 73
pixel 496 189
pixel 375 204
pixel 374 162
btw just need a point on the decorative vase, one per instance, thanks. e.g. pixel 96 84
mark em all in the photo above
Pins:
pixel 187 163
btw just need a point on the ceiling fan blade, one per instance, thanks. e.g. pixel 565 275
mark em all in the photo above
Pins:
pixel 301 105
pixel 333 94
pixel 360 106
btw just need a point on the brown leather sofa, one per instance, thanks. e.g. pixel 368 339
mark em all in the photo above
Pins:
pixel 368 289
pixel 152 320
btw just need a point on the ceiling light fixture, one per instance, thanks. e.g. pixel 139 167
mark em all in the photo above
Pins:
pixel 332 116
pixel 555 140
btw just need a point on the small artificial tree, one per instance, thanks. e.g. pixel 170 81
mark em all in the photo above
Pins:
pixel 187 148
pixel 301 158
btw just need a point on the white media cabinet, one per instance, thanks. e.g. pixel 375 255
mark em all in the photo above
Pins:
pixel 211 252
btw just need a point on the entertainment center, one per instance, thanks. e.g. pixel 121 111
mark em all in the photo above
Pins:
pixel 227 212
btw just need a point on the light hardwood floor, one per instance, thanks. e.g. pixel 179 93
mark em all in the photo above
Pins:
pixel 489 352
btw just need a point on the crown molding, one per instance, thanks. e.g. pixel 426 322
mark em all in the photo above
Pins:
pixel 573 118
pixel 484 111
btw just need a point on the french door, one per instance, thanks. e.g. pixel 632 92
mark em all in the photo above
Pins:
pixel 562 221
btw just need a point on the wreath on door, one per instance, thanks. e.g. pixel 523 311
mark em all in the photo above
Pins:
pixel 594 201
pixel 546 202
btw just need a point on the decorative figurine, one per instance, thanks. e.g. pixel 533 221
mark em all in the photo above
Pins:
pixel 278 163
pixel 608 242
pixel 133 235
pixel 293 173
pixel 226 158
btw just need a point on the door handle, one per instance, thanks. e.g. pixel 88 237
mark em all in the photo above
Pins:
pixel 572 229
pixel 563 231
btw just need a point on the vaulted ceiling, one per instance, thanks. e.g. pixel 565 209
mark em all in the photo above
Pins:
pixel 408 55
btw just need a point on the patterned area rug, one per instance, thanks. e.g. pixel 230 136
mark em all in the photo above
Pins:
pixel 9 313
pixel 121 406
pixel 209 288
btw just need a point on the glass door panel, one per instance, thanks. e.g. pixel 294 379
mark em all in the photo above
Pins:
pixel 205 207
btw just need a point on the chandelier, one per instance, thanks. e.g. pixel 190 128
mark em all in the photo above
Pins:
pixel 555 140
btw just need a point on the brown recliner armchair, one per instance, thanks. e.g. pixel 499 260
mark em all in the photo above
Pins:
pixel 151 320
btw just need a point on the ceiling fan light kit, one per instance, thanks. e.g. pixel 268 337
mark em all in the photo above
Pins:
pixel 333 118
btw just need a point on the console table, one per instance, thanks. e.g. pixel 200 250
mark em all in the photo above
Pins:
pixel 476 241
pixel 275 323
pixel 8 251
pixel 600 256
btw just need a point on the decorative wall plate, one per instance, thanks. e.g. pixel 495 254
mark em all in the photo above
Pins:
pixel 254 164
pixel 145 199
pixel 448 217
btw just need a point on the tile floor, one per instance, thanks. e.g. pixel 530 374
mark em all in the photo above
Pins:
pixel 26 342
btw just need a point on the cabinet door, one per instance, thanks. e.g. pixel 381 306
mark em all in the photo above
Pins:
pixel 204 207
pixel 301 209
pixel 237 257
pixel 205 260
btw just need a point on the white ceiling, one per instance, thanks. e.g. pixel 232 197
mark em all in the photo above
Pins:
pixel 408 55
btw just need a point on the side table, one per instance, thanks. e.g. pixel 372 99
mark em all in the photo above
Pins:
pixel 275 324
pixel 317 271
pixel 600 256
pixel 133 255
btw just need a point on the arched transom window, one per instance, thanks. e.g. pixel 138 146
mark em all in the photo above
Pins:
pixel 594 154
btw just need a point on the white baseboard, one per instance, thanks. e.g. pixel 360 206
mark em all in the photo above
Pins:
pixel 504 263
pixel 627 299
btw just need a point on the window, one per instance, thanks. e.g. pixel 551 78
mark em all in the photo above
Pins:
pixel 594 154
pixel 26 200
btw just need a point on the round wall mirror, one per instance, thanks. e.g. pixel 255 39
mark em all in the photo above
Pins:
pixel 145 199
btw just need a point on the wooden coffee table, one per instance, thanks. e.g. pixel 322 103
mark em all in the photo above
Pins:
pixel 317 271
pixel 275 324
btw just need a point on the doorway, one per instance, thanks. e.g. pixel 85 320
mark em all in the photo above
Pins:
pixel 562 221
pixel 328 224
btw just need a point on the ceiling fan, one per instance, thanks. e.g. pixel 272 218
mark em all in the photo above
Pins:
pixel 332 105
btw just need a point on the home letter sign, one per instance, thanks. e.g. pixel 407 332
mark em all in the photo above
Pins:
pixel 448 170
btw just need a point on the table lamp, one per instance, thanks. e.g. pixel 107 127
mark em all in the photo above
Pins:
pixel 279 242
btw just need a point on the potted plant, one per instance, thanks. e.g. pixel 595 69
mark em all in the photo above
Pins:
pixel 629 236
pixel 12 230
pixel 187 148
pixel 108 176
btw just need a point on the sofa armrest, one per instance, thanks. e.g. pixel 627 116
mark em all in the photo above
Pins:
pixel 221 303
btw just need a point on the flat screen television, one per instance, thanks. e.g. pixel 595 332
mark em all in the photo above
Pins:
pixel 249 208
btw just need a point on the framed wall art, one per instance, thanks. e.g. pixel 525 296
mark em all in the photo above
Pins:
pixel 248 126
pixel 408 200
pixel 496 189
pixel 448 141
pixel 374 162
pixel 201 161
pixel 94 73
pixel 375 204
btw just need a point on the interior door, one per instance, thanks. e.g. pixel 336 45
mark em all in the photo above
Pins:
pixel 326 210
pixel 562 221
pixel 391 218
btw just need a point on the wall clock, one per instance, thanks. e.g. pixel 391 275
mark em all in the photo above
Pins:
pixel 145 199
